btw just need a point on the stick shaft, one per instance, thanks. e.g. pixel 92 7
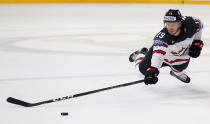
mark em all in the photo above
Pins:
pixel 107 88
pixel 26 104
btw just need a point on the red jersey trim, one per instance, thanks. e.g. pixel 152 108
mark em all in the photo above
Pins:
pixel 159 51
pixel 176 60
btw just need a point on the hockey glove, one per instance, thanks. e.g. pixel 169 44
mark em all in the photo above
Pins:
pixel 151 76
pixel 195 48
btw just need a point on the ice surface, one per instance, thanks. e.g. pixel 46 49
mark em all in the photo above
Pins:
pixel 53 50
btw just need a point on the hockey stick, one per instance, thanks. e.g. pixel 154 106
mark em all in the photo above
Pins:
pixel 26 104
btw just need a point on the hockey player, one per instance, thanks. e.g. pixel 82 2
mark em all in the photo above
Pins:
pixel 173 46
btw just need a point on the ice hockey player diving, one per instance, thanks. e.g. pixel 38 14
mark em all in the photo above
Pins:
pixel 173 46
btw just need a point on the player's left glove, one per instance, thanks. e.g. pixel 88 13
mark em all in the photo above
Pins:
pixel 195 48
pixel 151 76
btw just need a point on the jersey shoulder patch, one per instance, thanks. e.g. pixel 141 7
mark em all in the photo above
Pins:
pixel 161 39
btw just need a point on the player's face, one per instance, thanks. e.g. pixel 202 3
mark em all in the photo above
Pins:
pixel 173 27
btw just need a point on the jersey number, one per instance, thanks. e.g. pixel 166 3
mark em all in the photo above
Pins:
pixel 160 35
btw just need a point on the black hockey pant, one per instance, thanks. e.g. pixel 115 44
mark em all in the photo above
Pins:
pixel 146 63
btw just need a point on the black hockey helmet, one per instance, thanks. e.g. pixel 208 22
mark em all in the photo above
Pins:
pixel 173 15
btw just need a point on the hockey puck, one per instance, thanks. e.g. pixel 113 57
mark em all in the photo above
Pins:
pixel 64 113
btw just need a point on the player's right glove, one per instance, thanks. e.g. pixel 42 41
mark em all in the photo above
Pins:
pixel 151 76
pixel 195 48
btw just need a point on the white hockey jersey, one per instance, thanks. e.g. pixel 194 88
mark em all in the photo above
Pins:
pixel 173 50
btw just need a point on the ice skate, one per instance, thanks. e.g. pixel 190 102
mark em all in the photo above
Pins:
pixel 132 57
pixel 181 76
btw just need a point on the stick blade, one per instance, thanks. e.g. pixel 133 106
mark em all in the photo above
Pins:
pixel 18 102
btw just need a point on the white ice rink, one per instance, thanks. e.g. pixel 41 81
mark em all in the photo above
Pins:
pixel 53 50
